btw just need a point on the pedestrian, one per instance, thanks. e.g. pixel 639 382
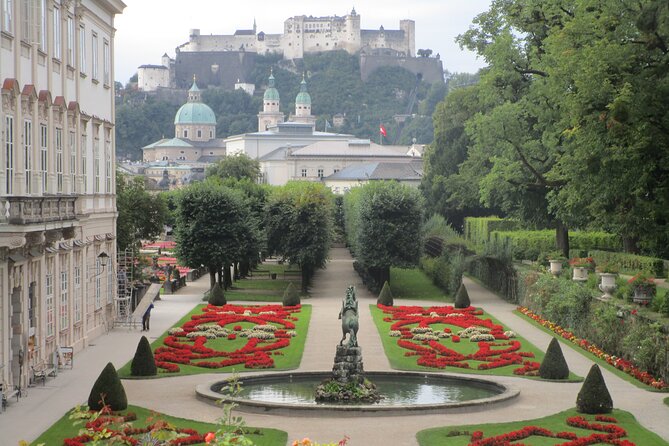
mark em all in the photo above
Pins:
pixel 146 317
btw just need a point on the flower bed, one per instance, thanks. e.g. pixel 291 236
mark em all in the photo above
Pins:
pixel 215 337
pixel 432 336
pixel 619 363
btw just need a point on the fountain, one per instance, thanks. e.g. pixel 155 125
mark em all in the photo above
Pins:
pixel 349 390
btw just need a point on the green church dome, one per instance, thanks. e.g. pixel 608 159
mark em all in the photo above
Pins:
pixel 195 113
pixel 271 94
pixel 303 97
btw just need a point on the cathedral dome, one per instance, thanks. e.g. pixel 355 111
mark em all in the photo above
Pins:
pixel 303 97
pixel 194 111
pixel 271 94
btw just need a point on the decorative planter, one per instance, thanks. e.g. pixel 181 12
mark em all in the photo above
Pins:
pixel 608 284
pixel 642 296
pixel 556 267
pixel 580 274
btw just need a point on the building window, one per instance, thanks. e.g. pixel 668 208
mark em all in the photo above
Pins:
pixel 336 170
pixel 27 17
pixel 110 284
pixel 9 154
pixel 28 153
pixel 211 134
pixel 320 173
pixel 98 283
pixel 59 160
pixel 82 48
pixel 50 322
pixel 84 162
pixel 199 133
pixel 94 56
pixel 70 41
pixel 304 173
pixel 108 162
pixel 7 16
pixel 106 62
pixel 56 33
pixel 43 17
pixel 44 155
pixel 64 300
pixel 185 133
pixel 73 161
pixel 96 163
pixel 78 304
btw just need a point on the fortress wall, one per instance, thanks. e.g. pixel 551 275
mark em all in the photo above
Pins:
pixel 431 69
pixel 232 65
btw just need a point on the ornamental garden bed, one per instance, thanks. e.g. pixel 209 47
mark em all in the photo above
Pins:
pixel 568 428
pixel 442 337
pixel 621 367
pixel 63 432
pixel 231 338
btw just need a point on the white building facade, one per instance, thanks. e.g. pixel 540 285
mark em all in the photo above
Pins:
pixel 57 179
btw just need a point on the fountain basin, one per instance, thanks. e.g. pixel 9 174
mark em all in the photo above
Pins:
pixel 404 393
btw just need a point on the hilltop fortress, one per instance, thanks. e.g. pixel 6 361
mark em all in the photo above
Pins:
pixel 226 60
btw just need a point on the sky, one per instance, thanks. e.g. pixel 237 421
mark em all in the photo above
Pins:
pixel 149 28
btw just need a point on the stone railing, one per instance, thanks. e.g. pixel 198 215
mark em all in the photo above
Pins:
pixel 30 210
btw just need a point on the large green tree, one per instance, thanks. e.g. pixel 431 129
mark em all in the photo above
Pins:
pixel 141 215
pixel 235 166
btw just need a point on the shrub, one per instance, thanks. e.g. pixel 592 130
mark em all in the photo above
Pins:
pixel 478 229
pixel 530 244
pixel 143 363
pixel 462 297
pixel 290 296
pixel 498 275
pixel 630 263
pixel 108 391
pixel 554 365
pixel 217 296
pixel 385 296
pixel 594 397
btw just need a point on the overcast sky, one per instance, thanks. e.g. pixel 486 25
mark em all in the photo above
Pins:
pixel 149 28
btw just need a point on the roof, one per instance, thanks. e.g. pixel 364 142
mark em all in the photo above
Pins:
pixel 351 148
pixel 303 96
pixel 195 113
pixel 244 32
pixel 271 94
pixel 381 171
pixel 157 67
pixel 174 142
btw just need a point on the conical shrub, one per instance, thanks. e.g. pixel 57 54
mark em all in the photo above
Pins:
pixel 462 297
pixel 594 397
pixel 143 363
pixel 108 391
pixel 385 296
pixel 291 296
pixel 217 296
pixel 554 365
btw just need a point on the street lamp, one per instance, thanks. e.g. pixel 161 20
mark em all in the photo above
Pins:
pixel 103 258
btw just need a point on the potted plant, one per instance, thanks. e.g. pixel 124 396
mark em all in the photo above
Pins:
pixel 581 266
pixel 556 265
pixel 608 273
pixel 643 287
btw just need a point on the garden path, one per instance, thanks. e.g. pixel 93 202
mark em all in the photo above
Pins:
pixel 176 396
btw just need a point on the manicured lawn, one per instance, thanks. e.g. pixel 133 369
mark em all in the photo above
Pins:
pixel 265 284
pixel 63 428
pixel 399 360
pixel 265 268
pixel 621 374
pixel 284 359
pixel 260 296
pixel 462 435
pixel 414 284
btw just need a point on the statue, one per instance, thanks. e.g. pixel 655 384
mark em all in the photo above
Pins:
pixel 349 318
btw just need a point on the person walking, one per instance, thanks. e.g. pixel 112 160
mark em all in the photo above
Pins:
pixel 146 317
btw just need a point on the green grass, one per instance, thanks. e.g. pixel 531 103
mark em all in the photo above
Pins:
pixel 398 361
pixel 264 284
pixel 414 284
pixel 555 423
pixel 63 428
pixel 235 296
pixel 292 355
pixel 276 268
pixel 627 377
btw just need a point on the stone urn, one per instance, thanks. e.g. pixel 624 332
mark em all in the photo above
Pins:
pixel 642 296
pixel 556 267
pixel 608 284
pixel 580 274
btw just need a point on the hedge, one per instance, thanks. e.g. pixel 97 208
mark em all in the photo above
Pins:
pixel 496 274
pixel 478 229
pixel 530 244
pixel 630 263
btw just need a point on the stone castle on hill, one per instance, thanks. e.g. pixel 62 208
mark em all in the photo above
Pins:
pixel 227 60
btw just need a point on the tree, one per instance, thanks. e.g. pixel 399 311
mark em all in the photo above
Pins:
pixel 594 396
pixel 143 363
pixel 141 215
pixel 236 166
pixel 424 52
pixel 108 391
pixel 554 365
pixel 214 225
pixel 298 221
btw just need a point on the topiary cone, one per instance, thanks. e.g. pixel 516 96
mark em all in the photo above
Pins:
pixel 594 397
pixel 143 363
pixel 290 296
pixel 217 296
pixel 554 365
pixel 108 391
pixel 385 296
pixel 462 297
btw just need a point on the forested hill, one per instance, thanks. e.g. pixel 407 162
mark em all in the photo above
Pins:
pixel 334 84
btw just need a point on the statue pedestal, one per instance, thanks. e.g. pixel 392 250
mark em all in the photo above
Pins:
pixel 347 366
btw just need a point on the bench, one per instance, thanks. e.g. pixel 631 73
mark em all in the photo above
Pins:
pixel 7 393
pixel 42 371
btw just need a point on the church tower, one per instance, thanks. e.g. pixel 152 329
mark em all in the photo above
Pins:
pixel 303 106
pixel 271 114
pixel 195 120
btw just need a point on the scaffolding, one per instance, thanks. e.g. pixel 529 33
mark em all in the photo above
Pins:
pixel 125 272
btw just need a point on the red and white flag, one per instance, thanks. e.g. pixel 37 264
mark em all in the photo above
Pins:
pixel 382 131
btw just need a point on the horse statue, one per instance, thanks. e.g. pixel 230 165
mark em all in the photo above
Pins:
pixel 349 318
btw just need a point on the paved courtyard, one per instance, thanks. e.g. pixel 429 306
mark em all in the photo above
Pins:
pixel 176 395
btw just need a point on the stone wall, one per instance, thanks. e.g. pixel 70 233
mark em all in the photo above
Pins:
pixel 213 68
pixel 429 68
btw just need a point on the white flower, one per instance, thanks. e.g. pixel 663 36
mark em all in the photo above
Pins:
pixel 443 334
pixel 453 315
pixel 482 337
pixel 268 327
pixel 261 335
pixel 394 333
pixel 176 331
pixel 421 330
pixel 510 334
pixel 425 337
